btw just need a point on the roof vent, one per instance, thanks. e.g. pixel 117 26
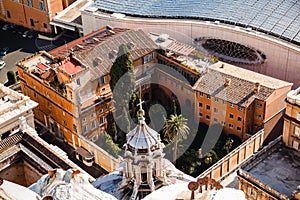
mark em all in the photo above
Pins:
pixel 131 45
pixel 227 81
pixel 113 54
pixel 163 37
pixel 257 87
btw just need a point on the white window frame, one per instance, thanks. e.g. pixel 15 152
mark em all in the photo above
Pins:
pixel 42 5
pixel 230 126
pixel 216 110
pixel 84 129
pixel 29 3
pixel 297 131
pixel 216 99
pixel 231 105
pixel 208 107
pixel 93 124
pixel 200 105
pixel 102 119
pixel 295 144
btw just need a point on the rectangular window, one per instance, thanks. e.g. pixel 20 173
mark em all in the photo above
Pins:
pixel 83 120
pixel 230 126
pixel 18 1
pixel 102 120
pixel 208 96
pixel 42 5
pixel 240 108
pixel 207 117
pixel 231 105
pixel 298 116
pixel 207 107
pixel 223 112
pixel 238 129
pixel 78 81
pixel 65 123
pixel 201 94
pixel 297 131
pixel 8 14
pixel 295 145
pixel 239 119
pixel 200 105
pixel 222 123
pixel 93 124
pixel 93 115
pixel 252 192
pixel 45 25
pixel 31 22
pixel 223 102
pixel 231 116
pixel 153 55
pixel 215 110
pixel 103 80
pixel 200 115
pixel 146 59
pixel 29 3
pixel 84 129
pixel 216 99
pixel 215 120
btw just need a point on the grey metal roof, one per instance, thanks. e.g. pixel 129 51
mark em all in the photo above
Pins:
pixel 280 18
pixel 142 137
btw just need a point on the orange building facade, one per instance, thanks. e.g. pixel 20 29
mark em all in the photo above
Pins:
pixel 242 101
pixel 32 14
pixel 291 131
pixel 73 92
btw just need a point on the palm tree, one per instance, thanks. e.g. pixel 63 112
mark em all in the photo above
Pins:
pixel 175 129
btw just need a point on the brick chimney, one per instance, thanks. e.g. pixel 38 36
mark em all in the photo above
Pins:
pixel 257 87
pixel 227 81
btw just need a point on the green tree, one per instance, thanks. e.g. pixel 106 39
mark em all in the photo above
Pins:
pixel 11 77
pixel 123 68
pixel 77 33
pixel 211 158
pixel 108 145
pixel 176 129
pixel 122 65
pixel 111 125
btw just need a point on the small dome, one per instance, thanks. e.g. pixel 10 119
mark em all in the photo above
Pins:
pixel 142 138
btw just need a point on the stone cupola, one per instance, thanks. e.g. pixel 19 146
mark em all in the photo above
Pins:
pixel 143 162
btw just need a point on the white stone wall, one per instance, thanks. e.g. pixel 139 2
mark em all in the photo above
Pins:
pixel 283 58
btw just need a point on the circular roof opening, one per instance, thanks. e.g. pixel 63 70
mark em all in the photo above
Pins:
pixel 229 51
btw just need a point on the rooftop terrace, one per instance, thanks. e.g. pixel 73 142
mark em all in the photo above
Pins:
pixel 276 166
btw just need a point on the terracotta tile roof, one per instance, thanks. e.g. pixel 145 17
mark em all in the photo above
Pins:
pixel 97 50
pixel 240 91
pixel 71 67
pixel 42 66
